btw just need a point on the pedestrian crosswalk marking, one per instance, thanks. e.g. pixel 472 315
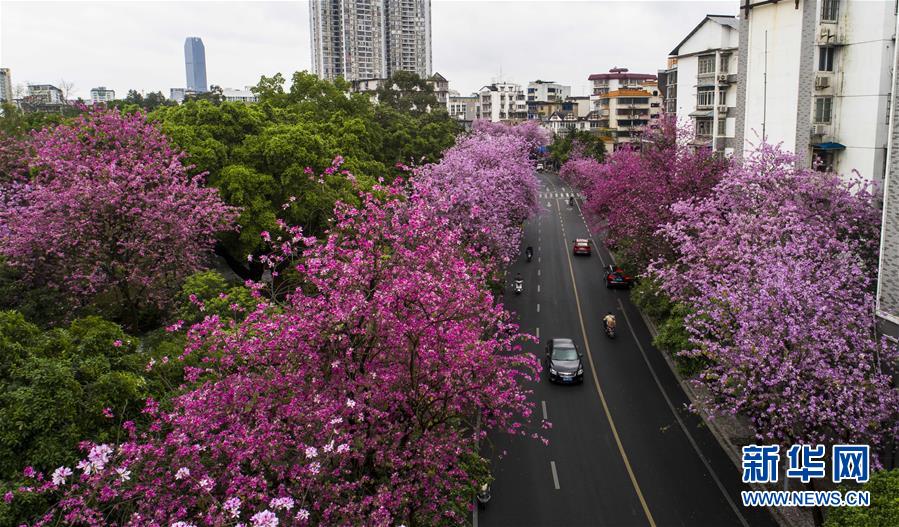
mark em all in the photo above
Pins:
pixel 560 195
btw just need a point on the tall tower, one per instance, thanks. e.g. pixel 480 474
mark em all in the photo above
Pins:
pixel 195 64
pixel 366 39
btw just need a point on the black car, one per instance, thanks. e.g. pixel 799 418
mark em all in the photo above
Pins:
pixel 563 361
pixel 616 277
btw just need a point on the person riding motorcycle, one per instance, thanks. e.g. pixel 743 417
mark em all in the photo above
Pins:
pixel 571 201
pixel 609 321
pixel 529 252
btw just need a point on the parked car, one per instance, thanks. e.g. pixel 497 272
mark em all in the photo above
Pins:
pixel 616 277
pixel 539 167
pixel 582 246
pixel 563 361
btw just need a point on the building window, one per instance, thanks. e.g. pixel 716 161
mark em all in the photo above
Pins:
pixel 823 107
pixel 703 127
pixel 825 58
pixel 722 98
pixel 707 64
pixel 722 127
pixel 830 9
pixel 725 60
pixel 705 97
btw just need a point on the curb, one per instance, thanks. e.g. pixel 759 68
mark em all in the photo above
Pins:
pixel 729 448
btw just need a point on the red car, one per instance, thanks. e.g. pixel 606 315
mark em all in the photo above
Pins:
pixel 616 277
pixel 582 246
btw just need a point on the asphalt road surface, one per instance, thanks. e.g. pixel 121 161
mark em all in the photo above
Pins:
pixel 623 449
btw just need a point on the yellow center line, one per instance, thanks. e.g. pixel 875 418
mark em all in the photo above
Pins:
pixel 602 397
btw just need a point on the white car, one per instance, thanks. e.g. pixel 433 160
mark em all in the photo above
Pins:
pixel 539 167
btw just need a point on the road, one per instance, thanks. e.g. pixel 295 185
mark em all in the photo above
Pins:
pixel 623 450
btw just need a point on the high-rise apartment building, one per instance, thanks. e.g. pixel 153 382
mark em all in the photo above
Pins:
pixel 195 64
pixel 5 86
pixel 815 76
pixel 370 39
pixel 626 104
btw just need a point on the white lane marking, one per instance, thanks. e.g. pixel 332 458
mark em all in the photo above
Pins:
pixel 538 307
pixel 543 403
pixel 538 288
pixel 538 334
pixel 598 252
pixel 538 258
pixel 538 272
pixel 552 465
pixel 679 420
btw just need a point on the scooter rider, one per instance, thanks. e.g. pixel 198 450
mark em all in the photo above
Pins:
pixel 609 321
pixel 571 201
pixel 529 253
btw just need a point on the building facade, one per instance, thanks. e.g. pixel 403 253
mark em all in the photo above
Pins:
pixel 102 94
pixel 815 75
pixel 547 91
pixel 626 104
pixel 463 108
pixel 370 39
pixel 195 64
pixel 44 95
pixel 441 88
pixel 502 101
pixel 6 95
pixel 700 84
pixel 244 95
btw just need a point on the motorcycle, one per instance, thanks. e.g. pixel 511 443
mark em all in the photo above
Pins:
pixel 610 331
pixel 571 202
pixel 518 286
pixel 529 254
pixel 484 495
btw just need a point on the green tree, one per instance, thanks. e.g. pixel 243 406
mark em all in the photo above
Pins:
pixel 407 92
pixel 884 509
pixel 577 143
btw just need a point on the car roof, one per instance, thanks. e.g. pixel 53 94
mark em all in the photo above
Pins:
pixel 581 240
pixel 563 342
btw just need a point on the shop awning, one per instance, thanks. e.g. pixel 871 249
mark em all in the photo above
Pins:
pixel 829 146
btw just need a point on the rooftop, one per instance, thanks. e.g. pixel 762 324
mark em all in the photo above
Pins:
pixel 621 74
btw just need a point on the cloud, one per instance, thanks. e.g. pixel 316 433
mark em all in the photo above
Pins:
pixel 140 45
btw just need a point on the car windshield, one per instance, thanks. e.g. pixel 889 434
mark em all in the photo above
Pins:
pixel 566 353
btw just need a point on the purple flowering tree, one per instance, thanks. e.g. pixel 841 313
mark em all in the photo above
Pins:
pixel 778 265
pixel 630 194
pixel 487 185
pixel 530 132
pixel 109 212
pixel 353 403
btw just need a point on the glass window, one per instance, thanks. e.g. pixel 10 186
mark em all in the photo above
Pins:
pixel 703 127
pixel 825 58
pixel 705 97
pixel 722 127
pixel 706 64
pixel 823 108
pixel 722 97
pixel 830 9
pixel 725 59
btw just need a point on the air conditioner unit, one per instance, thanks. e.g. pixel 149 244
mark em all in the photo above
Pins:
pixel 722 77
pixel 822 81
pixel 820 129
pixel 722 108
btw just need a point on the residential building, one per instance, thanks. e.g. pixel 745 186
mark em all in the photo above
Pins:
pixel 6 95
pixel 370 39
pixel 463 108
pixel 547 91
pixel 887 298
pixel 703 74
pixel 178 94
pixel 615 79
pixel 195 64
pixel 542 110
pixel 562 122
pixel 668 86
pixel 815 76
pixel 502 101
pixel 626 104
pixel 441 88
pixel 44 95
pixel 244 95
pixel 369 86
pixel 579 104
pixel 101 94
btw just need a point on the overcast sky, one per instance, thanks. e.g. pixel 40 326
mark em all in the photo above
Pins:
pixel 140 45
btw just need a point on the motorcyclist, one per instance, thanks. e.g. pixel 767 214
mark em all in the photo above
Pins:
pixel 571 201
pixel 609 320
pixel 529 252
pixel 518 279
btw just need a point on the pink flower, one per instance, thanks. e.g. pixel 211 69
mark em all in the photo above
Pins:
pixel 117 343
pixel 8 497
pixel 285 503
pixel 107 413
pixel 182 473
pixel 265 518
pixel 60 475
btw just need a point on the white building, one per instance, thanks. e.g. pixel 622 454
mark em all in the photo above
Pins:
pixel 44 94
pixel 178 94
pixel 547 91
pixel 502 101
pixel 701 84
pixel 817 79
pixel 244 95
pixel 463 108
pixel 6 95
pixel 101 94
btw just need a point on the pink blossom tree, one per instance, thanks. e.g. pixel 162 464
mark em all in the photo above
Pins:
pixel 354 403
pixel 530 132
pixel 109 212
pixel 630 194
pixel 486 184
pixel 778 264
